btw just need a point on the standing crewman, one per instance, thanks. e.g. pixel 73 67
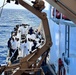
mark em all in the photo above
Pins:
pixel 14 49
pixel 61 67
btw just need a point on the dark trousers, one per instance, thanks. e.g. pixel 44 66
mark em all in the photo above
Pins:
pixel 14 57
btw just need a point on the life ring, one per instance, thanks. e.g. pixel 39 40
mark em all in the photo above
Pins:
pixel 58 15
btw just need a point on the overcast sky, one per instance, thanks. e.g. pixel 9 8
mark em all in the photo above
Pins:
pixel 12 5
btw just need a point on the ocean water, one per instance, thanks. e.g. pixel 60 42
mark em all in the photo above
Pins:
pixel 12 17
pixel 9 18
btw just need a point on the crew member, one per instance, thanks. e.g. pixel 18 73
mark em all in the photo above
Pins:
pixel 14 49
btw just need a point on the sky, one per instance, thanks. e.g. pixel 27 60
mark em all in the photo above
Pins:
pixel 12 5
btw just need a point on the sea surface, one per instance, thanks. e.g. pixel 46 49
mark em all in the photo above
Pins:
pixel 9 18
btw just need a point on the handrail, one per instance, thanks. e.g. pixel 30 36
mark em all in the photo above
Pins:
pixel 68 9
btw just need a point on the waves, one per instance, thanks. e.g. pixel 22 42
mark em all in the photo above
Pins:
pixel 8 20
